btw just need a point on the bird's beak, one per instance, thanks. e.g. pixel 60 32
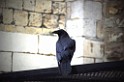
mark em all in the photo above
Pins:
pixel 55 32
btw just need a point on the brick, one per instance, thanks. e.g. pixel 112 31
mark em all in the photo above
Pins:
pixel 23 61
pixel 77 9
pixel 50 21
pixel 93 48
pixel 21 17
pixel 43 6
pixel 35 19
pixel 17 4
pixel 5 62
pixel 18 42
pixel 88 60
pixel 89 29
pixel 46 47
pixel 7 16
pixel 59 8
pixel 29 5
pixel 93 10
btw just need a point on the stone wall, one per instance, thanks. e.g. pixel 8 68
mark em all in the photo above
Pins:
pixel 25 32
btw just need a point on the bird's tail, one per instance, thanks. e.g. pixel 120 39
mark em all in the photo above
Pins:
pixel 65 68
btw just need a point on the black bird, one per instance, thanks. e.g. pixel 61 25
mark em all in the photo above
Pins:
pixel 65 48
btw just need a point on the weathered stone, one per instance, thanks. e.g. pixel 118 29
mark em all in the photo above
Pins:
pixel 62 21
pixel 68 15
pixel 7 16
pixel 29 5
pixel 43 6
pixel 88 60
pixel 46 47
pixel 21 17
pixel 109 22
pixel 93 48
pixel 79 47
pixel 35 19
pixel 5 62
pixel 18 42
pixel 114 43
pixel 33 30
pixel 75 27
pixel 47 31
pixel 57 0
pixel 59 8
pixel 77 10
pixel 98 60
pixel 50 21
pixel 93 10
pixel 17 4
pixel 99 30
pixel 23 61
pixel 2 3
pixel 89 29
pixel 77 61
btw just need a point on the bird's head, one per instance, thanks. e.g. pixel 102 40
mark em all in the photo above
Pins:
pixel 60 32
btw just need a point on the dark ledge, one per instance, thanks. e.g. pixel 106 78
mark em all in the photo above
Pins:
pixel 107 71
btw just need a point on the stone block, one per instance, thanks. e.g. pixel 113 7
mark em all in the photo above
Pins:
pixel 18 42
pixel 59 8
pixel 79 47
pixel 17 4
pixel 99 60
pixel 77 10
pixel 99 30
pixel 62 20
pixel 93 48
pixel 77 61
pixel 46 47
pixel 47 31
pixel 114 43
pixel 23 61
pixel 57 0
pixel 75 27
pixel 43 6
pixel 93 10
pixel 50 21
pixel 29 5
pixel 89 28
pixel 33 30
pixel 68 15
pixel 35 19
pixel 21 17
pixel 5 62
pixel 109 22
pixel 7 16
pixel 88 60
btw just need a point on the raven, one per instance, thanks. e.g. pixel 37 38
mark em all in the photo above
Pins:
pixel 65 48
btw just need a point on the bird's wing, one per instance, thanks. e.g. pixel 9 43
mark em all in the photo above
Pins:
pixel 65 49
